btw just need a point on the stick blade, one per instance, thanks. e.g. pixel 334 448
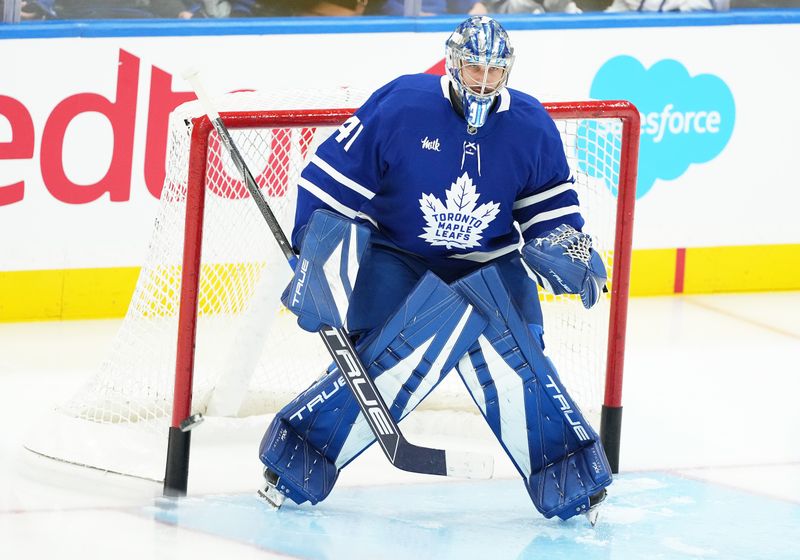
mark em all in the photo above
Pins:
pixel 464 464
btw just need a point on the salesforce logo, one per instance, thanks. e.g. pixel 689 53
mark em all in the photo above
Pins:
pixel 684 119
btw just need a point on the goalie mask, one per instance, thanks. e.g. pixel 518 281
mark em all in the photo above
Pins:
pixel 478 59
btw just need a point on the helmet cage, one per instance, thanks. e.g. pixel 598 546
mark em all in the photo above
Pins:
pixel 482 80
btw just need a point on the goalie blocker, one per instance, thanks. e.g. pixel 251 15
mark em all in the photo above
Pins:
pixel 475 325
pixel 326 272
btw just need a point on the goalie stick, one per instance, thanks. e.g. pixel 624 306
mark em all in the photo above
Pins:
pixel 400 452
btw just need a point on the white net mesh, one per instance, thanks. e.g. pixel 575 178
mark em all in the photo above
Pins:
pixel 251 358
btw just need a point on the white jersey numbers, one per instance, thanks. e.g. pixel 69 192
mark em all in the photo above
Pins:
pixel 352 127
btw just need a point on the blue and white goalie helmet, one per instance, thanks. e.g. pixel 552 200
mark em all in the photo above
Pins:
pixel 478 59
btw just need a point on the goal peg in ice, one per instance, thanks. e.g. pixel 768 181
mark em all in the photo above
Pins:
pixel 191 422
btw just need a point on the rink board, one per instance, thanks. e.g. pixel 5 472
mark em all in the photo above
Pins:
pixel 83 121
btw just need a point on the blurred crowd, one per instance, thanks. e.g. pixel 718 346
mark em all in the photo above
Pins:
pixel 134 9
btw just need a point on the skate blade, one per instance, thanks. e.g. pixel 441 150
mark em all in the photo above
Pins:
pixel 272 497
pixel 593 515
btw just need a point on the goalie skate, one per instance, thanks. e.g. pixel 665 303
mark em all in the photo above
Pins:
pixel 594 506
pixel 269 491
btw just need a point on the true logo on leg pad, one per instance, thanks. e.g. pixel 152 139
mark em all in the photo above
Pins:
pixel 567 410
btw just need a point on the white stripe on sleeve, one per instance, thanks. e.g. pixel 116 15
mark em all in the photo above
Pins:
pixel 539 197
pixel 370 219
pixel 341 179
pixel 326 198
pixel 549 215
pixel 486 256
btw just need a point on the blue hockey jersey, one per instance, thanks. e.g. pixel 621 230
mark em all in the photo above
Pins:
pixel 406 164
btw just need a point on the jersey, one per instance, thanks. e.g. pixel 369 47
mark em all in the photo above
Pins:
pixel 406 164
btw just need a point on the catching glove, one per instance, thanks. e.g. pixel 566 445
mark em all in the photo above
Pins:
pixel 564 262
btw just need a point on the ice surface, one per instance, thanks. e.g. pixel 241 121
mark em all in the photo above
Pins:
pixel 710 460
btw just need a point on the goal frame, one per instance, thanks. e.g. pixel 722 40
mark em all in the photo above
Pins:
pixel 179 441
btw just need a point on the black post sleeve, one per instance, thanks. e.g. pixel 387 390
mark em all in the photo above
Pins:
pixel 177 475
pixel 610 429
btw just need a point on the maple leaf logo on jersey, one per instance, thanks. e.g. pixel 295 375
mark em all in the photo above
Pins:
pixel 459 223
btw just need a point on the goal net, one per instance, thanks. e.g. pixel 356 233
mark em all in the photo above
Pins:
pixel 242 352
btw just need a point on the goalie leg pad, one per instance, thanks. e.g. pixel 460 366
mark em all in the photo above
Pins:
pixel 304 472
pixel 408 356
pixel 319 294
pixel 519 393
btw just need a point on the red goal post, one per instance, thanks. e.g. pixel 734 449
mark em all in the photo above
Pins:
pixel 611 415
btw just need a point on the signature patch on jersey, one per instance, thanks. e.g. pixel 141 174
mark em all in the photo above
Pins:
pixel 458 223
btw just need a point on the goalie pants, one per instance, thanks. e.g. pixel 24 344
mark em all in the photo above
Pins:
pixel 395 274
pixel 486 325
